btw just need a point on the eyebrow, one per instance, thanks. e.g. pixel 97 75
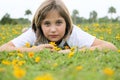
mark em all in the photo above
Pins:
pixel 59 19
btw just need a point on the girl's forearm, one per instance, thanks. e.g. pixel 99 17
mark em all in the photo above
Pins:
pixel 101 47
pixel 10 48
pixel 22 49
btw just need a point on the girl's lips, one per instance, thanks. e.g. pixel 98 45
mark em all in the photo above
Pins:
pixel 53 36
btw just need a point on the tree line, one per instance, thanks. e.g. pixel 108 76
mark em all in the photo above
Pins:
pixel 93 17
pixel 6 19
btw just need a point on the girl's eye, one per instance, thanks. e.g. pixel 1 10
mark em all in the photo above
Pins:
pixel 47 23
pixel 59 22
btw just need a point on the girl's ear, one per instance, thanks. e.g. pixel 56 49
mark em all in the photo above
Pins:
pixel 34 27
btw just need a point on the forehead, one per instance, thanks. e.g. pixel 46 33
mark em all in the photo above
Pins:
pixel 53 14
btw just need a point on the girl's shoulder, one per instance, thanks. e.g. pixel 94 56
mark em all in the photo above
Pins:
pixel 76 30
pixel 80 38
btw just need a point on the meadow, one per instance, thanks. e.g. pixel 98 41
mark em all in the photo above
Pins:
pixel 46 65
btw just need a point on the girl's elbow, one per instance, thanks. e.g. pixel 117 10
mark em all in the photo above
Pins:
pixel 111 46
pixel 101 44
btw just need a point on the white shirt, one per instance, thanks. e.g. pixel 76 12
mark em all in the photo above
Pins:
pixel 77 38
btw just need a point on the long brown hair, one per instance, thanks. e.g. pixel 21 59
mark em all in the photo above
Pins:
pixel 42 12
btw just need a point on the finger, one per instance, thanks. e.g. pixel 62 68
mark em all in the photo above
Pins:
pixel 52 50
pixel 49 46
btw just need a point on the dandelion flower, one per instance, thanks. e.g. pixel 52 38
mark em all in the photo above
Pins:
pixel 10 54
pixel 44 77
pixel 55 64
pixel 66 47
pixel 108 71
pixel 15 61
pixel 18 50
pixel 52 43
pixel 31 54
pixel 118 37
pixel 37 59
pixel 20 63
pixel 2 69
pixel 79 68
pixel 27 44
pixel 70 54
pixel 72 49
pixel 20 55
pixel 5 62
pixel 119 50
pixel 55 46
pixel 19 73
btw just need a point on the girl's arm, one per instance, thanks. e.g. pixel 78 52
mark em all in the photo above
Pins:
pixel 97 44
pixel 10 47
pixel 102 45
pixel 7 47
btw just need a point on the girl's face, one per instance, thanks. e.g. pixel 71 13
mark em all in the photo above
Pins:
pixel 53 26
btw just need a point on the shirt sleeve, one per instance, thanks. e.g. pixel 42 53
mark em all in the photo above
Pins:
pixel 28 36
pixel 80 38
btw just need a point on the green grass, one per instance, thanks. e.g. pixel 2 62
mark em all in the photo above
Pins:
pixel 93 63
pixel 59 66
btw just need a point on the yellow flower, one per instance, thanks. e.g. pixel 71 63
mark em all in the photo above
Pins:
pixel 20 63
pixel 55 64
pixel 14 61
pixel 27 44
pixel 109 30
pixel 20 55
pixel 10 54
pixel 101 37
pixel 5 62
pixel 19 73
pixel 94 34
pixel 3 38
pixel 86 28
pixel 96 25
pixel 52 43
pixel 119 50
pixel 31 54
pixel 78 25
pixel 67 47
pixel 2 69
pixel 44 77
pixel 70 54
pixel 72 49
pixel 37 59
pixel 118 37
pixel 108 71
pixel 106 50
pixel 18 50
pixel 79 68
pixel 55 46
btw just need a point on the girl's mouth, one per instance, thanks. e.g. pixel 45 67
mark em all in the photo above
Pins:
pixel 53 36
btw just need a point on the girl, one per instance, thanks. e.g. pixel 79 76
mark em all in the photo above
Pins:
pixel 52 23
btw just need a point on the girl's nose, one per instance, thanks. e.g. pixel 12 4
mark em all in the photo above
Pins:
pixel 53 29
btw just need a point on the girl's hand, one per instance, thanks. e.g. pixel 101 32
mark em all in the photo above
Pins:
pixel 64 51
pixel 48 46
pixel 43 46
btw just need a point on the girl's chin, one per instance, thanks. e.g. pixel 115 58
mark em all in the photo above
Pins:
pixel 54 40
